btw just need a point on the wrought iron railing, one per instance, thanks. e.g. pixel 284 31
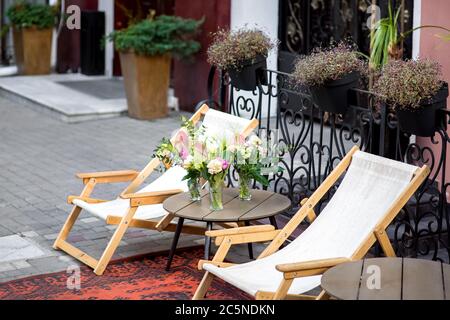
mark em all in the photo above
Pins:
pixel 318 140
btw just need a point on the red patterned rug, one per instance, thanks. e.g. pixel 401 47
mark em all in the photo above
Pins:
pixel 137 278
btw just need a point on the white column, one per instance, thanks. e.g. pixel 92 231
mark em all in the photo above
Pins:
pixel 261 14
pixel 108 7
pixel 417 19
pixel 54 39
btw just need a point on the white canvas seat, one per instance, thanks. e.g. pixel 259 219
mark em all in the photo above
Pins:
pixel 224 125
pixel 142 207
pixel 371 188
pixel 172 179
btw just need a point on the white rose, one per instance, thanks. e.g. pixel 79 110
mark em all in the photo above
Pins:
pixel 214 166
pixel 246 153
pixel 188 162
pixel 232 148
pixel 255 140
pixel 166 153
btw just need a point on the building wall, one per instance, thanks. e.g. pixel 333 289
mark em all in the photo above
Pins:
pixel 190 77
pixel 435 12
pixel 261 14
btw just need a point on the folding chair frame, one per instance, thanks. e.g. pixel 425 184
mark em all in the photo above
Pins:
pixel 226 238
pixel 135 178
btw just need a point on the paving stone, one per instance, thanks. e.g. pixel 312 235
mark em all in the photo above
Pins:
pixel 21 264
pixel 51 236
pixel 29 234
pixel 4 267
pixel 89 220
pixel 17 248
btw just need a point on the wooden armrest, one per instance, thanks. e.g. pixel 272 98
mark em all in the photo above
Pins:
pixel 240 230
pixel 70 199
pixel 109 176
pixel 219 264
pixel 106 174
pixel 147 198
pixel 318 266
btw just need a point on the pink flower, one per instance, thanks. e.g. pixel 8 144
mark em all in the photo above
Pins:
pixel 182 136
pixel 225 164
pixel 184 153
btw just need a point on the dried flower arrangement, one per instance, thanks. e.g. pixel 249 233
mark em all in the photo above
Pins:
pixel 415 90
pixel 409 84
pixel 233 49
pixel 330 73
pixel 327 64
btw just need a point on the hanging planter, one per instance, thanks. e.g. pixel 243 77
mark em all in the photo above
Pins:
pixel 330 73
pixel 250 74
pixel 243 54
pixel 425 121
pixel 333 95
pixel 415 90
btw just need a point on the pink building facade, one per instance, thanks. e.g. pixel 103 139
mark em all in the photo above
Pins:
pixel 429 45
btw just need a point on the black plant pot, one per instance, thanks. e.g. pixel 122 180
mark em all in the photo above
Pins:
pixel 333 96
pixel 251 71
pixel 425 121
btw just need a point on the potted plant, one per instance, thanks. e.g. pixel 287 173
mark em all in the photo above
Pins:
pixel 386 40
pixel 330 73
pixel 243 54
pixel 32 26
pixel 415 90
pixel 145 50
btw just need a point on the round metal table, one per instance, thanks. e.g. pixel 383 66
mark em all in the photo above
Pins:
pixel 388 279
pixel 264 204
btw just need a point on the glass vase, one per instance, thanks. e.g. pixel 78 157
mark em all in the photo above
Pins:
pixel 194 189
pixel 244 187
pixel 215 194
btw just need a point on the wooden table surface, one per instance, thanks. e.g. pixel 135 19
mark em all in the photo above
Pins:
pixel 400 279
pixel 264 204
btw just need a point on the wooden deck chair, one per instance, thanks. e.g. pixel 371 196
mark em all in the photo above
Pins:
pixel 371 194
pixel 141 208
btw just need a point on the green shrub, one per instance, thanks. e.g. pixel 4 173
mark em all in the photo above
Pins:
pixel 230 49
pixel 164 34
pixel 25 15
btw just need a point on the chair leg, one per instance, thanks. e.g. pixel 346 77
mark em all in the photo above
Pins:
pixel 323 296
pixel 114 242
pixel 385 243
pixel 73 216
pixel 63 234
pixel 203 286
pixel 283 289
pixel 164 222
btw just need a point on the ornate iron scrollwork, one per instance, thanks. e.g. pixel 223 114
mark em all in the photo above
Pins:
pixel 316 141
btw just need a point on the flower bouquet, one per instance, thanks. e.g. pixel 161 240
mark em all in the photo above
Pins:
pixel 179 150
pixel 248 162
pixel 213 155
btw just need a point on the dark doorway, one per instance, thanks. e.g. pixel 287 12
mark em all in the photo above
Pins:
pixel 305 24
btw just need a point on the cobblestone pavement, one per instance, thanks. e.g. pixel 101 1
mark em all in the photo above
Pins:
pixel 39 156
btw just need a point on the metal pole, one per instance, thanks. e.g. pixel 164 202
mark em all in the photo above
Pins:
pixel 373 20
pixel 402 25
